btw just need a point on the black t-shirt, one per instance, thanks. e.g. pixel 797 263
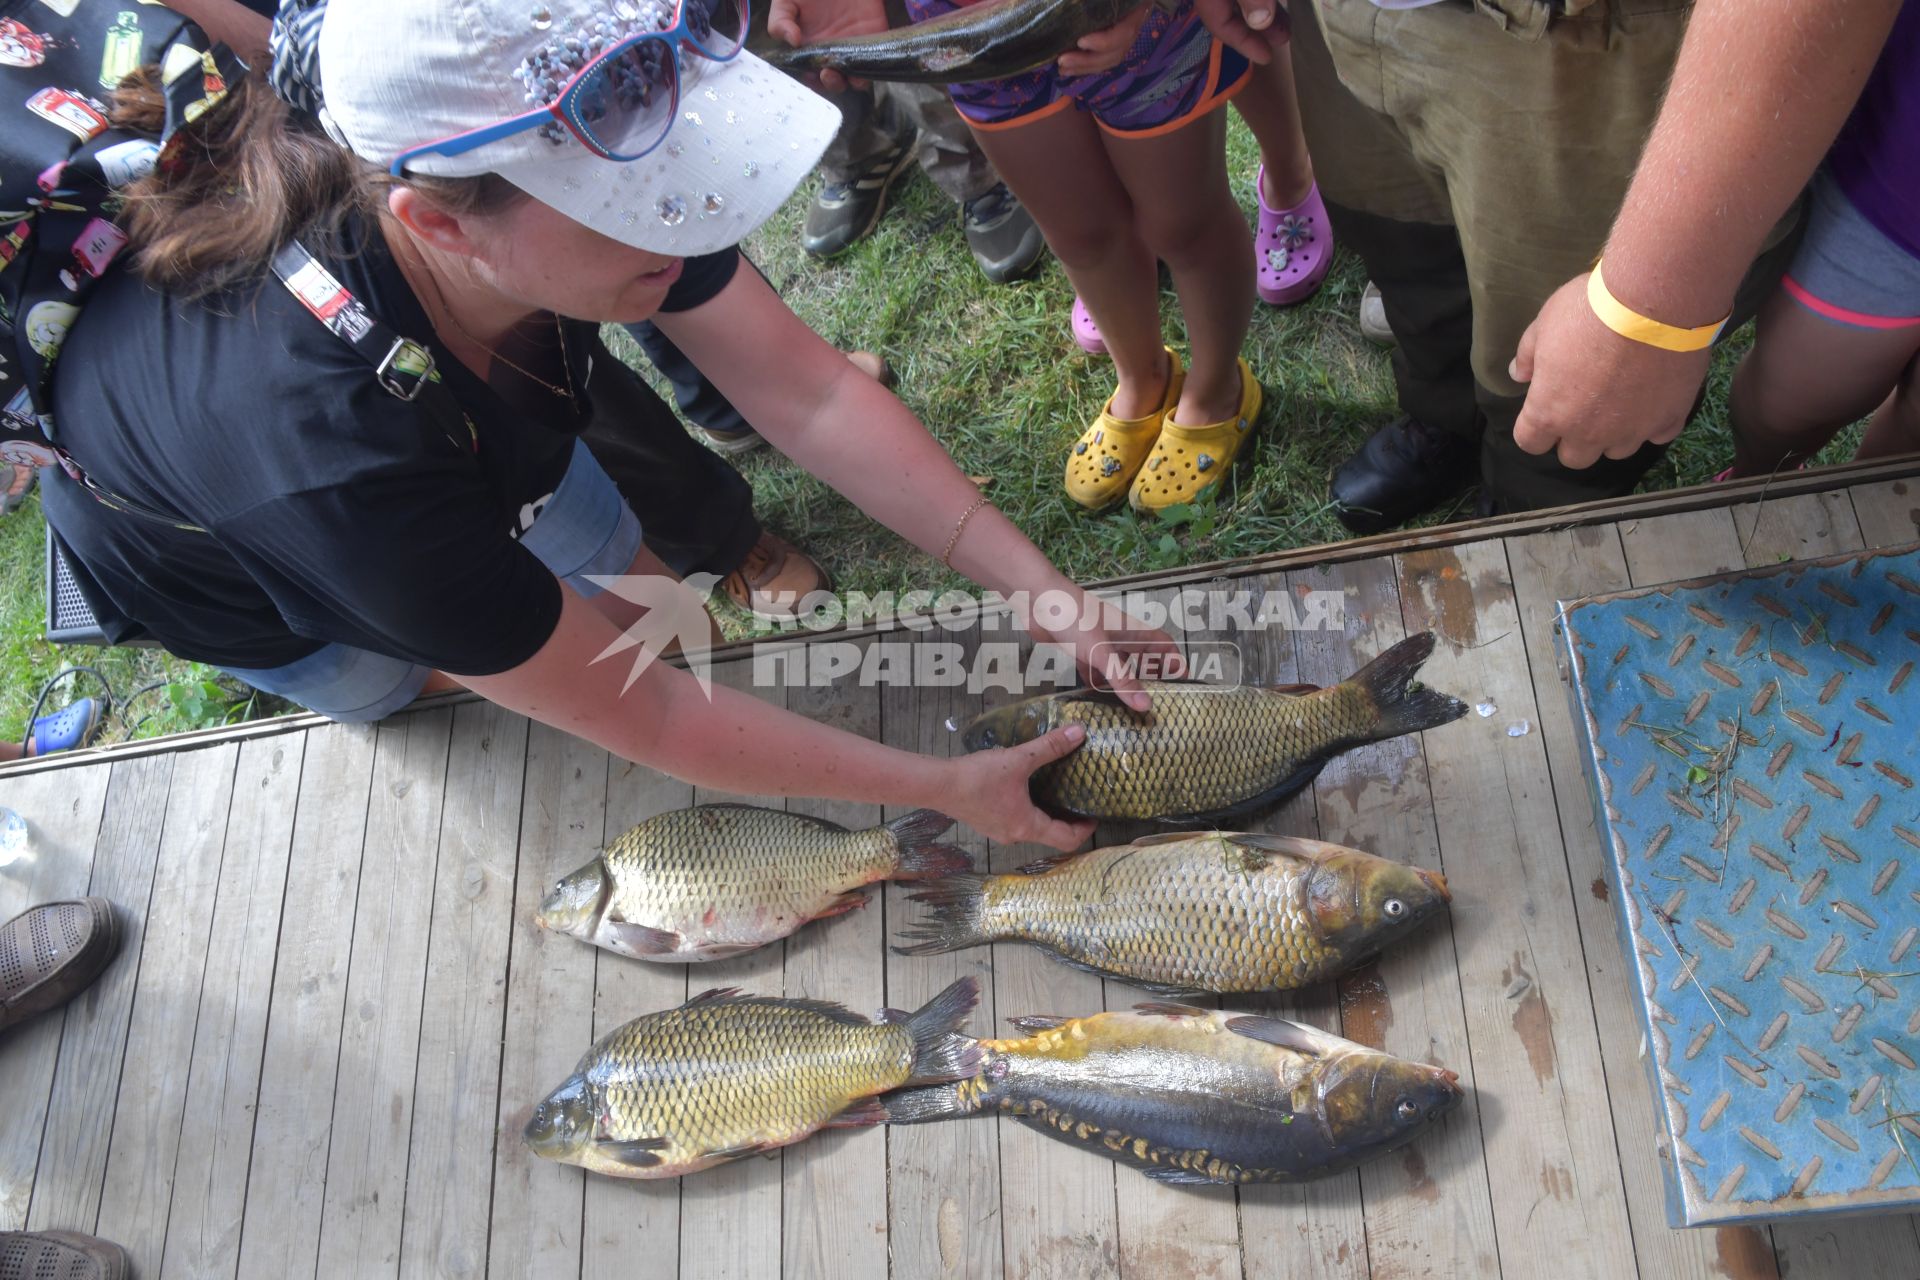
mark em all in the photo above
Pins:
pixel 336 511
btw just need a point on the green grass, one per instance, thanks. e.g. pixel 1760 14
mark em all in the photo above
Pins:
pixel 994 373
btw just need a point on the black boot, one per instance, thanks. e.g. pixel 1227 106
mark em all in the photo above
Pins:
pixel 1404 468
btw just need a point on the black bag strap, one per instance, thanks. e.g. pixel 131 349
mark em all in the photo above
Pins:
pixel 405 368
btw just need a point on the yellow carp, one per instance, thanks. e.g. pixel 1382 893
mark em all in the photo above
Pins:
pixel 1189 1095
pixel 1182 913
pixel 727 1075
pixel 718 880
pixel 1206 752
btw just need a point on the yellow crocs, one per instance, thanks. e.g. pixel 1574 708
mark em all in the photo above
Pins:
pixel 1106 457
pixel 1186 461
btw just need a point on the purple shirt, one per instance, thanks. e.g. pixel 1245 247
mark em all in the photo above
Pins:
pixel 1876 159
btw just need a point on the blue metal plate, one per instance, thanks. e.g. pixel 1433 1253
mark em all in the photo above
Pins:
pixel 1750 739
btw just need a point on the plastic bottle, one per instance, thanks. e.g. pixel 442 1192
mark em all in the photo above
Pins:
pixel 14 844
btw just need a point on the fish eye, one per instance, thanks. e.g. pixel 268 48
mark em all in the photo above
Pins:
pixel 1394 908
pixel 1407 1109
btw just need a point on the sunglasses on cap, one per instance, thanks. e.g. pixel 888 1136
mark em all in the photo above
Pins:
pixel 615 86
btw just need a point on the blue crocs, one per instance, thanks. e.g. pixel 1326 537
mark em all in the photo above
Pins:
pixel 75 725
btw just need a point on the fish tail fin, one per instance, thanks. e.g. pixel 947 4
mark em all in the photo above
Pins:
pixel 941 1051
pixel 1402 704
pixel 921 855
pixel 930 1102
pixel 958 903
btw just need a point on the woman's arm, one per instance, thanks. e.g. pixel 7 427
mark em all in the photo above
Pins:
pixel 230 23
pixel 733 741
pixel 845 428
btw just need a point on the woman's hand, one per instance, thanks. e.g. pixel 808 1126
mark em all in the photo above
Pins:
pixel 1102 50
pixel 1113 649
pixel 990 793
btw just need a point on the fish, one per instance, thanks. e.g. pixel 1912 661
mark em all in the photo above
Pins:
pixel 719 880
pixel 728 1075
pixel 987 41
pixel 1183 913
pixel 1206 752
pixel 1192 1096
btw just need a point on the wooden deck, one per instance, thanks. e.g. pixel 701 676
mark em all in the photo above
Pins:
pixel 333 1009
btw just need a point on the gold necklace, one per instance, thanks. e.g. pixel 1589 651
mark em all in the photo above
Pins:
pixel 560 335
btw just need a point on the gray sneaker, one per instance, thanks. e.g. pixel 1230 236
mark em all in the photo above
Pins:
pixel 1001 233
pixel 1373 318
pixel 846 209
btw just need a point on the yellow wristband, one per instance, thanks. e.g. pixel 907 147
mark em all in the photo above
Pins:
pixel 1630 324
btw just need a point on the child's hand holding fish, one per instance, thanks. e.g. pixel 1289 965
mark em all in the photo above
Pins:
pixel 1105 49
pixel 801 22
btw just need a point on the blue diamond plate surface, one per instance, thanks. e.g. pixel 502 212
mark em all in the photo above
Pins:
pixel 1750 741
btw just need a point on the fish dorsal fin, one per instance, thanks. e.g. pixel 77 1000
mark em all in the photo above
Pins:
pixel 720 807
pixel 712 995
pixel 1291 690
pixel 1279 1032
pixel 1032 1023
pixel 1052 862
pixel 1170 1009
pixel 1094 697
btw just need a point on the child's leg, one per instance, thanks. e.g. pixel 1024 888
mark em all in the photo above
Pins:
pixel 1058 167
pixel 1267 103
pixel 1185 213
pixel 1895 427
pixel 1806 378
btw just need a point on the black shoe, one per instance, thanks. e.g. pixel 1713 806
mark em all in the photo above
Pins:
pixel 844 211
pixel 1001 234
pixel 1404 468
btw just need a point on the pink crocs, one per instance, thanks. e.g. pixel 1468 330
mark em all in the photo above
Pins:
pixel 1085 331
pixel 1294 247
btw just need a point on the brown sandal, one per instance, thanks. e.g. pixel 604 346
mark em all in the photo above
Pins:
pixel 51 953
pixel 60 1255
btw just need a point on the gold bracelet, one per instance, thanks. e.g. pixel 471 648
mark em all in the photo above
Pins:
pixel 1633 326
pixel 946 557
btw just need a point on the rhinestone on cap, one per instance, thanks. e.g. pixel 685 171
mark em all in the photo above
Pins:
pixel 672 210
pixel 713 202
pixel 750 169
pixel 541 17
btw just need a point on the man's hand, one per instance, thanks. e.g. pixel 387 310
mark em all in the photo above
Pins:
pixel 1256 28
pixel 1592 393
pixel 801 22
pixel 1102 50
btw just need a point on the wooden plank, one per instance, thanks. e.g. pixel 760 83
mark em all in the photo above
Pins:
pixel 230 1024
pixel 834 1198
pixel 280 1227
pixel 1800 527
pixel 1703 542
pixel 62 812
pixel 1312 1230
pixel 456 1092
pixel 380 1030
pixel 1548 568
pixel 138 1192
pixel 631 1229
pixel 1559 1204
pixel 1888 512
pixel 944 1208
pixel 730 1217
pixel 73 1151
pixel 1429 1207
pixel 549 1020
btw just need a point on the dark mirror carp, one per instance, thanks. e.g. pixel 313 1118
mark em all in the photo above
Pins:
pixel 1188 1095
pixel 1218 912
pixel 728 1075
pixel 1208 752
pixel 986 41
pixel 719 880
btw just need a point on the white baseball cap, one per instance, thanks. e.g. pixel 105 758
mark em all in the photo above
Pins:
pixel 401 73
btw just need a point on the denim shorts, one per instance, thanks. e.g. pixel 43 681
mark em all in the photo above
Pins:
pixel 585 528
pixel 1848 270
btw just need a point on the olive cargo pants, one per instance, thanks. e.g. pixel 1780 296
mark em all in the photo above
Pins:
pixel 1475 158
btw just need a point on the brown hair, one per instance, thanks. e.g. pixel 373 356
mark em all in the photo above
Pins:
pixel 250 176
